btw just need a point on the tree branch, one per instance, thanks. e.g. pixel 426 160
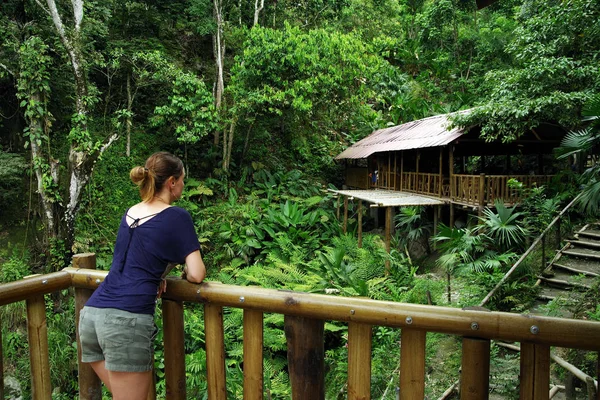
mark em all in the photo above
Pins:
pixel 42 7
pixel 7 70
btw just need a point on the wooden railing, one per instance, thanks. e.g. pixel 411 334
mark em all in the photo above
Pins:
pixel 304 320
pixel 423 183
pixel 485 189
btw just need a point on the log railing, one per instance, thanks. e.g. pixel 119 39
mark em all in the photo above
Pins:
pixel 304 318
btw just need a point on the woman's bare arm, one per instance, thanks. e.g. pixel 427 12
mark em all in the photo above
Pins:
pixel 195 271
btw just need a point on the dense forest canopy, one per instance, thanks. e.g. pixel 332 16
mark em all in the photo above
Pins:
pixel 232 85
pixel 257 97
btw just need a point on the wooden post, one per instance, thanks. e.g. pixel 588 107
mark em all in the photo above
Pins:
pixel 543 252
pixel 451 171
pixel 360 212
pixel 451 205
pixel 90 387
pixel 417 178
pixel 558 235
pixel 395 168
pixel 174 340
pixel 535 371
pixel 1 365
pixel 441 178
pixel 388 236
pixel 359 361
pixel 389 171
pixel 570 393
pixel 475 373
pixel 337 208
pixel 412 364
pixel 37 333
pixel 306 357
pixel 482 199
pixel 215 352
pixel 345 226
pixel 401 171
pixel 253 355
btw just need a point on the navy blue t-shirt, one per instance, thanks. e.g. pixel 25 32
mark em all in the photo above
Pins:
pixel 140 258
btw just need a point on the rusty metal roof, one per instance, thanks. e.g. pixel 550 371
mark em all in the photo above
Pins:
pixel 426 132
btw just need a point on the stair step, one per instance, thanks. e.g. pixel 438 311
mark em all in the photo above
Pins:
pixel 593 235
pixel 562 283
pixel 582 255
pixel 587 244
pixel 575 270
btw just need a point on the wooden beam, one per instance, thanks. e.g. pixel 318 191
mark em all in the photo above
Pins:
pixel 402 171
pixel 37 334
pixel 441 178
pixel 215 352
pixel 345 225
pixel 451 171
pixel 535 371
pixel 253 355
pixel 412 364
pixel 306 357
pixel 90 386
pixel 359 361
pixel 475 373
pixel 173 342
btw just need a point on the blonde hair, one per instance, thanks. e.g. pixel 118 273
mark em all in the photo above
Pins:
pixel 152 176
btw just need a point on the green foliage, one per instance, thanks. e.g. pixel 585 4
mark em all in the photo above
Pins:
pixel 554 70
pixel 502 226
pixel 190 112
pixel 12 173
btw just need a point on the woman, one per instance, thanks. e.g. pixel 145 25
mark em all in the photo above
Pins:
pixel 116 327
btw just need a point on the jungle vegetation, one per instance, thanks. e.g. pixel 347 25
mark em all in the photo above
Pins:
pixel 257 97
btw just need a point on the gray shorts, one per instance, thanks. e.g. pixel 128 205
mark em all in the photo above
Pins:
pixel 120 338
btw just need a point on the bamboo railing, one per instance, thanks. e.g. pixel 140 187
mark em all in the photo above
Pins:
pixel 304 320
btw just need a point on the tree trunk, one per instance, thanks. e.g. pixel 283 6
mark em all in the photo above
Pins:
pixel 128 122
pixel 257 10
pixel 82 156
pixel 219 53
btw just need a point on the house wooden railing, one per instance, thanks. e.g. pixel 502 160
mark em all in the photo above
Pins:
pixel 304 320
pixel 476 190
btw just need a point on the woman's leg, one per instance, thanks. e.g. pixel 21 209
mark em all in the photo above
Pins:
pixel 130 385
pixel 102 373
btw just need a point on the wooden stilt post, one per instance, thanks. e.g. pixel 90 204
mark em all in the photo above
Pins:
pixel 306 357
pixel 359 361
pixel 475 372
pixel 253 355
pixel 535 371
pixel 337 208
pixel 215 352
pixel 412 364
pixel 174 340
pixel 360 212
pixel 90 387
pixel 388 236
pixel 345 226
pixel 37 332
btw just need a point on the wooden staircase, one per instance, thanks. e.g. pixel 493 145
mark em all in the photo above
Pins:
pixel 574 268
